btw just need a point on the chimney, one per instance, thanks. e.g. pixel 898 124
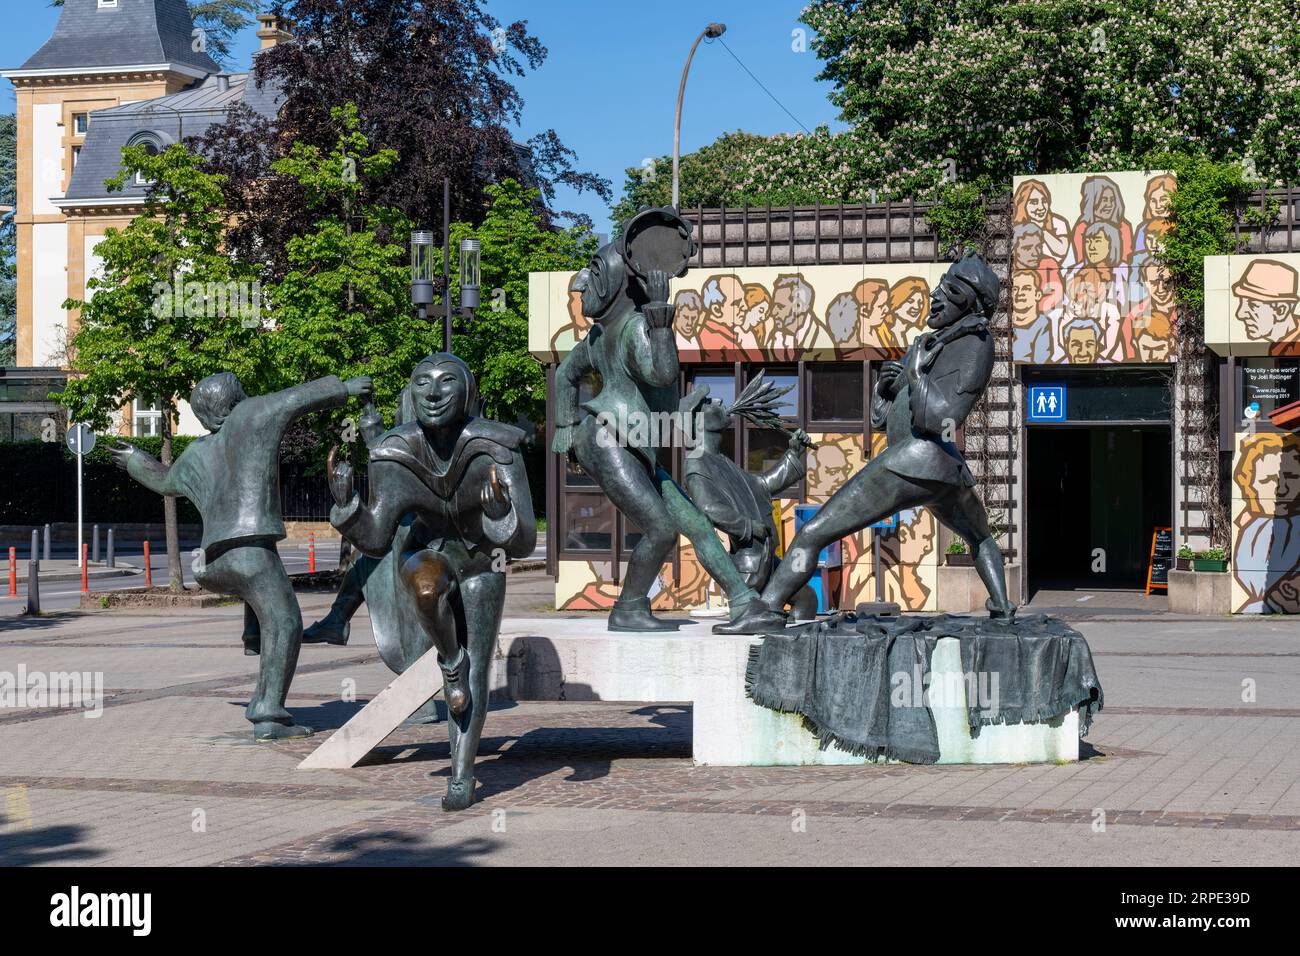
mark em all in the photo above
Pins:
pixel 223 82
pixel 272 30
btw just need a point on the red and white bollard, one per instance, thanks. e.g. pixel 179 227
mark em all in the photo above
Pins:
pixel 85 580
pixel 148 571
pixel 311 552
pixel 13 572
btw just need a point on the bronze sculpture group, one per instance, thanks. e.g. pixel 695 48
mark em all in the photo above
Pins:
pixel 449 502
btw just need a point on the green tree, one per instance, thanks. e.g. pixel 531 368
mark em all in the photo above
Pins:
pixel 515 241
pixel 169 309
pixel 343 307
pixel 744 168
pixel 980 91
pixel 967 88
pixel 220 20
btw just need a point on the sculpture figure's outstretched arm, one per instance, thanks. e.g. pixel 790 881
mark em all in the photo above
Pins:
pixel 146 469
pixel 278 409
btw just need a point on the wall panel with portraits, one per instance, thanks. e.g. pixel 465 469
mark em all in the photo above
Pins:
pixel 1087 283
pixel 1252 304
pixel 816 313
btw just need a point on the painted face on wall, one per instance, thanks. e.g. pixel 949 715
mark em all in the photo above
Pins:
pixel 1152 349
pixel 687 319
pixel 1036 207
pixel 1105 208
pixel 1096 248
pixel 756 314
pixel 1028 251
pixel 1024 297
pixel 1081 346
pixel 913 310
pixel 1269 321
pixel 874 313
pixel 440 395
pixel 731 310
pixel 832 469
pixel 1159 203
pixel 782 311
pixel 1288 480
pixel 1160 284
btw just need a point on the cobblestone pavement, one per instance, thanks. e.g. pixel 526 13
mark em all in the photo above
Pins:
pixel 1196 760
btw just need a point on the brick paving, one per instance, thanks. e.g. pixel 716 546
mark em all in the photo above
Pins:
pixel 1196 760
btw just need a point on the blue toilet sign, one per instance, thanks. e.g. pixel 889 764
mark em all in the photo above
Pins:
pixel 1046 403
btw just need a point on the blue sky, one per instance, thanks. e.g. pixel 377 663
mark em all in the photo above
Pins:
pixel 609 85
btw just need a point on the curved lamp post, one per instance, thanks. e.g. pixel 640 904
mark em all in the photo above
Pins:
pixel 712 31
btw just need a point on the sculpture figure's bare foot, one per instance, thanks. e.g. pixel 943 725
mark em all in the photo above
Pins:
pixel 460 794
pixel 271 730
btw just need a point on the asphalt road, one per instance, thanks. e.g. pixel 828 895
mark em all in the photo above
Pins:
pixel 61 595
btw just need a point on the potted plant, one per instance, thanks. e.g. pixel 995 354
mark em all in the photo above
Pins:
pixel 1185 557
pixel 958 555
pixel 1212 559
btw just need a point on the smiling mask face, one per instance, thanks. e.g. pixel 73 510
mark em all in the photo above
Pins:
pixel 442 391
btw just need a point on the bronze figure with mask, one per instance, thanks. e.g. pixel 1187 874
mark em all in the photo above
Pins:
pixel 448 505
pixel 920 402
pixel 618 436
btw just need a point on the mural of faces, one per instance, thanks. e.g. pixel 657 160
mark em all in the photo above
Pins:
pixel 1102 294
pixel 1267 301
pixel 1266 533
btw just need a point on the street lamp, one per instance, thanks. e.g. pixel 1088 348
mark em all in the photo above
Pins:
pixel 469 274
pixel 712 31
pixel 422 271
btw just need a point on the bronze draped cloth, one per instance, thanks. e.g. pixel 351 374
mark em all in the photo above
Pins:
pixel 839 674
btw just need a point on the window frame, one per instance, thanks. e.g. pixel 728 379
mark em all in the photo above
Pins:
pixel 140 414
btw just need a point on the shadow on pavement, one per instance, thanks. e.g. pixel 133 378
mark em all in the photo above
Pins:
pixel 396 848
pixel 46 845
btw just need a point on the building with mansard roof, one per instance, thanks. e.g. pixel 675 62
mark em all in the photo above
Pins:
pixel 114 73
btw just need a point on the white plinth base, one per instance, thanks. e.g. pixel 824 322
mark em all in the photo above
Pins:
pixel 407 693
pixel 558 659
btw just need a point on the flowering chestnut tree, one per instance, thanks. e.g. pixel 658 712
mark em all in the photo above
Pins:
pixel 983 90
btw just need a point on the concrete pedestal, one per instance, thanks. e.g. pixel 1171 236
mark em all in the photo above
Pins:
pixel 557 659
pixel 961 591
pixel 1200 592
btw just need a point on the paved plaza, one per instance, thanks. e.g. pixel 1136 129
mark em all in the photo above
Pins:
pixel 1195 760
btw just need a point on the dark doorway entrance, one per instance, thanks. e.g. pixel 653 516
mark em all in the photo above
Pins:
pixel 1095 492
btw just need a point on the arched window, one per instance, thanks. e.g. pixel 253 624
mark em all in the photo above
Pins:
pixel 152 144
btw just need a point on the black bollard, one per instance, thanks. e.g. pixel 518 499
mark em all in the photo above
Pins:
pixel 33 588
pixel 94 543
pixel 111 562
